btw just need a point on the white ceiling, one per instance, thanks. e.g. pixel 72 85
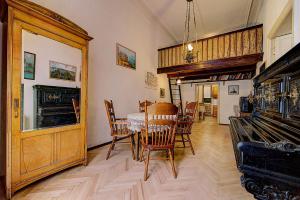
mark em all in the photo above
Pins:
pixel 213 16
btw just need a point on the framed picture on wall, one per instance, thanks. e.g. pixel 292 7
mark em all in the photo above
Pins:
pixel 126 57
pixel 29 65
pixel 162 93
pixel 233 89
pixel 62 71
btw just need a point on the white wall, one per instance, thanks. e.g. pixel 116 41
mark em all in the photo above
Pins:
pixel 188 93
pixel 296 22
pixel 55 51
pixel 271 12
pixel 129 23
pixel 228 103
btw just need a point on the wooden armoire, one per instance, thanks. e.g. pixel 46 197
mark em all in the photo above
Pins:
pixel 34 153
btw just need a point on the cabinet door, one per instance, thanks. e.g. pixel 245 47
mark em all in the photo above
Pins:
pixel 46 101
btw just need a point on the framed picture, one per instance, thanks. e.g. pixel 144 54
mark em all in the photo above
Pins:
pixel 126 57
pixel 29 65
pixel 62 71
pixel 162 93
pixel 151 80
pixel 233 89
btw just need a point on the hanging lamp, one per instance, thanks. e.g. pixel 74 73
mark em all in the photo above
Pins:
pixel 190 49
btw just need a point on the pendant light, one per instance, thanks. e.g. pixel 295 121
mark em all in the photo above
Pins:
pixel 190 49
pixel 178 81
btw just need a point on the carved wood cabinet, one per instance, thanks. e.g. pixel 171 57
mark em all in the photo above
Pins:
pixel 35 153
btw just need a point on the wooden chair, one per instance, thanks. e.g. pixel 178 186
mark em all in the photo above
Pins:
pixel 159 132
pixel 119 129
pixel 201 111
pixel 142 105
pixel 184 127
pixel 76 107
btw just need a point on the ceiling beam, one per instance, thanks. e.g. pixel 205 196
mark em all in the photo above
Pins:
pixel 242 69
pixel 208 75
pixel 214 64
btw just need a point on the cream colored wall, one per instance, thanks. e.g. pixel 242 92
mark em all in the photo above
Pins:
pixel 130 24
pixel 271 13
pixel 229 103
pixel 296 21
pixel 188 93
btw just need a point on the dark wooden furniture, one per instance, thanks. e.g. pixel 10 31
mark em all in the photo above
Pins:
pixel 267 144
pixel 119 129
pixel 143 104
pixel 53 106
pixel 76 107
pixel 184 127
pixel 159 132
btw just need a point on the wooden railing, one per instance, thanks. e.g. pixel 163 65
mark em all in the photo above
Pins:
pixel 242 42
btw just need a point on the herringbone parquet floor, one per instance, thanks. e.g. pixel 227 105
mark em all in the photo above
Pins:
pixel 210 174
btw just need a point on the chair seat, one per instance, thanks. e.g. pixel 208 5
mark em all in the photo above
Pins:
pixel 180 131
pixel 153 147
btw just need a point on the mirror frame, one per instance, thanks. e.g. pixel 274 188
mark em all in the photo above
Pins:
pixel 25 15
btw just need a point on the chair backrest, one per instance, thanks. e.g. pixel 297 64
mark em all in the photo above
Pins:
pixel 76 107
pixel 160 125
pixel 110 113
pixel 143 104
pixel 191 109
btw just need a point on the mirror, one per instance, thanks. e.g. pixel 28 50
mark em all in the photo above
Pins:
pixel 50 83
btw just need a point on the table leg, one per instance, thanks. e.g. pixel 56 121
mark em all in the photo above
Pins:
pixel 138 146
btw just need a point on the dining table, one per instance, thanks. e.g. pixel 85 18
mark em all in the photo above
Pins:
pixel 136 121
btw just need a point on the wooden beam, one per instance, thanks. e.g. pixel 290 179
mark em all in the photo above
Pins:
pixel 208 75
pixel 245 60
pixel 241 69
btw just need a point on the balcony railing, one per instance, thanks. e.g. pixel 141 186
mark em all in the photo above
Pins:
pixel 244 42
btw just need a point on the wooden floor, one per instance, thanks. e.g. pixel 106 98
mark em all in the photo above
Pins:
pixel 210 174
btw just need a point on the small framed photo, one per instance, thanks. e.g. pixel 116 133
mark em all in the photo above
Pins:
pixel 162 93
pixel 29 65
pixel 233 89
pixel 62 71
pixel 126 57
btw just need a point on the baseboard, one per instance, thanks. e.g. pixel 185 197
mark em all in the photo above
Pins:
pixel 104 144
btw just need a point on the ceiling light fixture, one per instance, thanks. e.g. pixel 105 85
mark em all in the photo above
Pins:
pixel 190 49
pixel 178 81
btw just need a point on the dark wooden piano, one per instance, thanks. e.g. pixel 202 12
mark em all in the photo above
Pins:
pixel 267 144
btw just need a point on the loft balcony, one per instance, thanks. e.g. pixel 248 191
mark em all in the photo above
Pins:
pixel 229 53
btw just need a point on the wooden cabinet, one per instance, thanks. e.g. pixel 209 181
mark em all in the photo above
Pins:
pixel 215 111
pixel 214 91
pixel 36 153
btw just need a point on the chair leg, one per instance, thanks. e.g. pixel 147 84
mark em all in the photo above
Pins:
pixel 191 145
pixel 182 138
pixel 146 166
pixel 111 147
pixel 172 164
pixel 142 154
pixel 132 146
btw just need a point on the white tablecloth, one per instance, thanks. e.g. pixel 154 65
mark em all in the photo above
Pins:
pixel 137 120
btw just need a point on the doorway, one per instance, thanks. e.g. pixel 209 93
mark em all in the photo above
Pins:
pixel 207 94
